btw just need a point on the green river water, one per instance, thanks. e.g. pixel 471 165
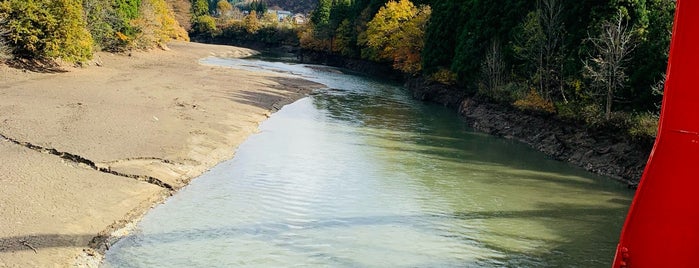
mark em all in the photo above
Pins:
pixel 360 175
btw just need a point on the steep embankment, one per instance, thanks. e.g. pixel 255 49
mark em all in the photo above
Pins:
pixel 602 151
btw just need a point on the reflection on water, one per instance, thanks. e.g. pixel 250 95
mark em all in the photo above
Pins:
pixel 359 175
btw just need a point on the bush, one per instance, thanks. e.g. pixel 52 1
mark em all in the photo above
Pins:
pixel 47 29
pixel 644 125
pixel 125 12
pixel 534 102
pixel 205 25
pixel 443 76
pixel 101 22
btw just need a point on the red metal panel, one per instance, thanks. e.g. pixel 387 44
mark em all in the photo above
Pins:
pixel 662 227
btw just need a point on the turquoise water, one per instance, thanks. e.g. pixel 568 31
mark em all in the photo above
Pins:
pixel 360 175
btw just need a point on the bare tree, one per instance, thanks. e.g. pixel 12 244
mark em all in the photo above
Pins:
pixel 541 43
pixel 493 68
pixel 607 67
pixel 551 21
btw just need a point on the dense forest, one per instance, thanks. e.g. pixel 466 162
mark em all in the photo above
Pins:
pixel 601 62
pixel 71 30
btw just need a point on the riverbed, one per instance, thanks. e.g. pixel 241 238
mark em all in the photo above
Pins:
pixel 360 175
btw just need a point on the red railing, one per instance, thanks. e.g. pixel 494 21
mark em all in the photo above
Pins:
pixel 662 227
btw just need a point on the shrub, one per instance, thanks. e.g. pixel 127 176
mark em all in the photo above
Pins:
pixel 443 76
pixel 101 22
pixel 125 12
pixel 534 102
pixel 644 125
pixel 205 25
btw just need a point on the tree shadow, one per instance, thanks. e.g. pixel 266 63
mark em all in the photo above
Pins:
pixel 595 219
pixel 39 241
pixel 36 65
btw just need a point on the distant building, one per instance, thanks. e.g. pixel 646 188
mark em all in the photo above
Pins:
pixel 299 18
pixel 282 14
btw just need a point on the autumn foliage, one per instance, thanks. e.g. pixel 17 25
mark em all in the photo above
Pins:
pixel 397 32
pixel 46 29
pixel 72 29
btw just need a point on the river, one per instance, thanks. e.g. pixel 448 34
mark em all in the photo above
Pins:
pixel 361 175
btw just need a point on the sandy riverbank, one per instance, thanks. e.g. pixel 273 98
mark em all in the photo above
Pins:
pixel 85 152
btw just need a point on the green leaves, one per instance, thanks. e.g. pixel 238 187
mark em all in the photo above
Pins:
pixel 47 29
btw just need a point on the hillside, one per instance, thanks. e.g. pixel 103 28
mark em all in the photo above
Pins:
pixel 296 6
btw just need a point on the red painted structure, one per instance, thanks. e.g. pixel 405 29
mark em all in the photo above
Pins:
pixel 662 227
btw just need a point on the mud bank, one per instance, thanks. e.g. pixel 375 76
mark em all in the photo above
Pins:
pixel 602 151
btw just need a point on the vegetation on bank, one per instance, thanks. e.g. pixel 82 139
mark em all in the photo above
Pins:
pixel 599 62
pixel 71 30
pixel 242 22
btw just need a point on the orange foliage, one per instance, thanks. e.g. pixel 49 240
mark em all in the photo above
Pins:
pixel 397 32
pixel 534 102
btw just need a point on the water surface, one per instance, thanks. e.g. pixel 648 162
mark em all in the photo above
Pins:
pixel 360 175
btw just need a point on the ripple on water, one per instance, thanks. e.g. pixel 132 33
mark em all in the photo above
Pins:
pixel 362 176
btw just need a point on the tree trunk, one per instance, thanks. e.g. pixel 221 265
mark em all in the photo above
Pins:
pixel 608 108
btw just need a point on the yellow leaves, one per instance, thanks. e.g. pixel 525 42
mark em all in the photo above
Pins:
pixel 223 7
pixel 397 33
pixel 157 24
pixel 251 23
pixel 122 37
pixel 534 102
pixel 46 29
pixel 444 76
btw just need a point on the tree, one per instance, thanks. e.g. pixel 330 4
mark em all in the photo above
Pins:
pixel 607 67
pixel 257 6
pixel 528 46
pixel 73 42
pixel 345 39
pixel 441 35
pixel 251 22
pixel 199 8
pixel 101 18
pixel 494 67
pixel 46 29
pixel 539 44
pixel 397 32
pixel 550 12
pixel 650 56
pixel 205 25
pixel 223 7
pixel 126 12
pixel 482 21
pixel 321 15
pixel 157 25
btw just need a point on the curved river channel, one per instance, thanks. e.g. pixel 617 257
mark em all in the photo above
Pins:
pixel 360 175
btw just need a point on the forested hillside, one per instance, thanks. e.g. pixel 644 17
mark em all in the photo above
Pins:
pixel 296 6
pixel 601 61
pixel 72 30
